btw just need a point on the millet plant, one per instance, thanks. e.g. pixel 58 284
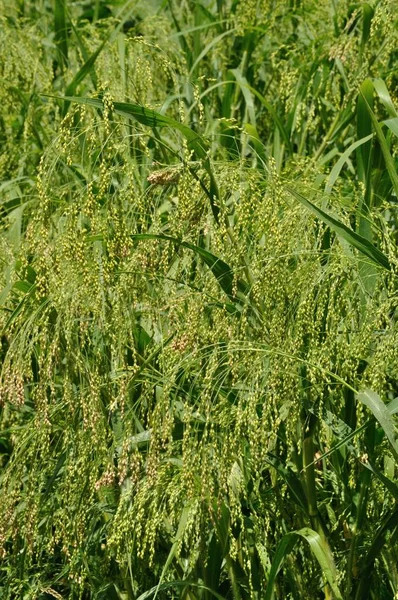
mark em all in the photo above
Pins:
pixel 198 300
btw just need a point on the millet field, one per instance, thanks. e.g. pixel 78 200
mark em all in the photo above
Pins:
pixel 198 299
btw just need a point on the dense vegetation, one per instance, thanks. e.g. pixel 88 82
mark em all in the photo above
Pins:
pixel 198 299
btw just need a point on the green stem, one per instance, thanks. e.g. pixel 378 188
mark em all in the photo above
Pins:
pixel 327 137
pixel 235 587
pixel 309 467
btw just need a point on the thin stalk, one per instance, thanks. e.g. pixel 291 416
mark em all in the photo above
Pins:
pixel 352 558
pixel 327 137
pixel 235 587
pixel 309 470
pixel 361 512
pixel 309 473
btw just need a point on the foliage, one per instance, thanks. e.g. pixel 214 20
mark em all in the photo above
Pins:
pixel 198 300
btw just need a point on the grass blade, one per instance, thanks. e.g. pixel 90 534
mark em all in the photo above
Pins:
pixel 388 483
pixel 89 61
pixel 244 86
pixel 180 532
pixel 220 269
pixel 180 584
pixel 268 106
pixel 353 238
pixel 367 16
pixel 208 47
pixel 384 96
pixel 392 125
pixel 153 119
pixel 292 481
pixel 364 129
pixel 382 415
pixel 319 549
pixel 61 32
pixel 390 163
pixel 335 172
pixel 284 548
pixel 389 523
pixel 81 75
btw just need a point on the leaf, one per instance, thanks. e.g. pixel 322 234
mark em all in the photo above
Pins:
pixel 343 442
pixel 389 523
pixel 335 172
pixel 254 138
pixel 244 86
pixel 58 467
pixel 89 61
pixel 81 75
pixel 319 549
pixel 388 483
pixel 208 47
pixel 367 16
pixel 292 481
pixel 393 406
pixel 153 119
pixel 220 269
pixel 141 438
pixel 385 98
pixel 150 118
pixel 213 567
pixel 182 584
pixel 60 31
pixel 353 238
pixel 390 163
pixel 284 548
pixel 19 308
pixel 275 117
pixel 392 125
pixel 364 129
pixel 180 532
pixel 22 286
pixel 382 415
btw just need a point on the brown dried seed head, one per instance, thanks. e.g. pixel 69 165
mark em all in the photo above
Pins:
pixel 164 177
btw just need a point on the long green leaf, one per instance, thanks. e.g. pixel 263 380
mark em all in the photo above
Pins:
pixel 284 548
pixel 82 74
pixel 319 549
pixel 353 238
pixel 335 172
pixel 275 117
pixel 390 163
pixel 89 61
pixel 150 118
pixel 153 119
pixel 367 16
pixel 60 31
pixel 19 308
pixel 393 406
pixel 344 442
pixel 392 125
pixel 292 481
pixel 382 415
pixel 389 524
pixel 179 584
pixel 391 486
pixel 180 532
pixel 208 47
pixel 244 86
pixel 364 129
pixel 385 98
pixel 220 269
